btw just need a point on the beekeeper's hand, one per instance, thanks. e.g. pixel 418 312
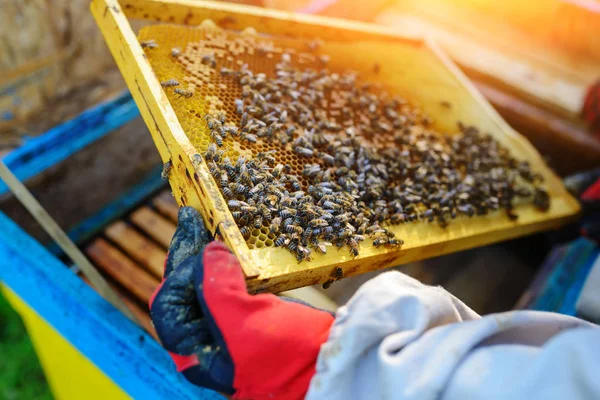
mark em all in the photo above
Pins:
pixel 222 338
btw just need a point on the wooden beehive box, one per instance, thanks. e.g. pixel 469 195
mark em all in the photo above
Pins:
pixel 410 66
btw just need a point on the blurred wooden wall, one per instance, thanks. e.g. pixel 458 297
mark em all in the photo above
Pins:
pixel 47 48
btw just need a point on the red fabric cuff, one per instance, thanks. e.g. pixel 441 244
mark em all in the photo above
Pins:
pixel 274 344
pixel 155 293
pixel 159 286
pixel 184 362
pixel 592 193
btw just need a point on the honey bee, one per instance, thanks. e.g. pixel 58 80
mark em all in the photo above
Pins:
pixel 166 170
pixel 328 230
pixel 395 242
pixel 255 110
pixel 228 192
pixel 185 93
pixel 212 153
pixel 330 205
pixel 283 116
pixel 522 192
pixel 304 58
pixel 374 228
pixel 196 160
pixel 275 223
pixel 343 218
pixel 269 159
pixel 321 247
pixel 293 229
pixel 277 170
pixel 224 179
pixel 359 238
pixel 296 184
pixel 210 121
pixel 353 247
pixel 209 59
pixel 170 83
pixel 258 221
pixel 265 211
pixel 287 221
pixel 214 170
pixel 541 200
pixel 292 245
pixel 217 138
pixel 511 214
pixel 397 218
pixel 318 223
pixel 175 52
pixel 302 253
pixel 380 241
pixel 232 130
pixel 256 189
pixel 276 192
pixel 246 178
pixel 282 240
pixel 149 44
pixel 236 203
pixel 311 170
pixel 314 45
pixel 337 273
pixel 272 199
pixel 245 231
pixel 467 209
pixel 429 214
pixel 227 164
pixel 249 137
pixel 238 188
pixel 258 198
pixel 288 212
pixel 303 151
pixel 286 57
pixel 327 158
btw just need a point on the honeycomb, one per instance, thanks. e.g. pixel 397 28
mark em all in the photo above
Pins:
pixel 194 67
pixel 213 92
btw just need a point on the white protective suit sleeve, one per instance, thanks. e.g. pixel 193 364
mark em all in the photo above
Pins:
pixel 399 339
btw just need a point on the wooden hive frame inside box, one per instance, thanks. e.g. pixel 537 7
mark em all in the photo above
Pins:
pixel 411 66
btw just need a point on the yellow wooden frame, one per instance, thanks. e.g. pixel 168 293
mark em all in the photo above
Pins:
pixel 275 269
pixel 69 373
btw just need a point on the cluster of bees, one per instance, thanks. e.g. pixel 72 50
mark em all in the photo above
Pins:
pixel 261 192
pixel 371 160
